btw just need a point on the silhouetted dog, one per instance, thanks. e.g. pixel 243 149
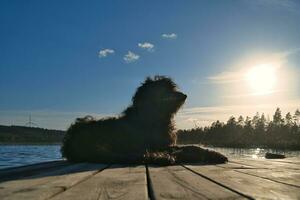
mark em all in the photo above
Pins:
pixel 145 125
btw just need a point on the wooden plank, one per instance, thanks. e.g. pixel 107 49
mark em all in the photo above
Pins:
pixel 253 163
pixel 12 186
pixel 264 163
pixel 290 177
pixel 47 184
pixel 176 182
pixel 116 182
pixel 291 160
pixel 231 165
pixel 246 184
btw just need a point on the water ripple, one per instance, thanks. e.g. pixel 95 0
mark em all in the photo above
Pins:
pixel 17 155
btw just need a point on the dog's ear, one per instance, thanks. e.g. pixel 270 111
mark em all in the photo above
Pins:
pixel 141 91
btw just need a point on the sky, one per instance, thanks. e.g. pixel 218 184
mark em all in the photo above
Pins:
pixel 65 59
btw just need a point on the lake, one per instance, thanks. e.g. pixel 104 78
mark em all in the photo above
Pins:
pixel 17 155
pixel 257 153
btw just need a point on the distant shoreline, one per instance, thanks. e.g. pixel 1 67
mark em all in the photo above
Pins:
pixel 280 148
pixel 22 135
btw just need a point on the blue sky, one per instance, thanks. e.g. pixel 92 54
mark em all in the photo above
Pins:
pixel 63 59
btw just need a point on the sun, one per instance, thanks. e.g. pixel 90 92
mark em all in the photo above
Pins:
pixel 262 78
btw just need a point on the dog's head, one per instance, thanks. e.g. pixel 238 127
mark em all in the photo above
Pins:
pixel 157 97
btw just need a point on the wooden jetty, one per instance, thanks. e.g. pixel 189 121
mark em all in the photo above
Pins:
pixel 237 179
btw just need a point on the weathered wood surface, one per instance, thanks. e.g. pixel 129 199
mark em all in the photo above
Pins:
pixel 48 184
pixel 116 182
pixel 237 179
pixel 176 182
pixel 252 186
pixel 269 163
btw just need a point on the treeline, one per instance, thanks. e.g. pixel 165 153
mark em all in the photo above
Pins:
pixel 29 135
pixel 258 131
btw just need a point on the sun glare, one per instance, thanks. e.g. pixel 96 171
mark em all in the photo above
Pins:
pixel 262 78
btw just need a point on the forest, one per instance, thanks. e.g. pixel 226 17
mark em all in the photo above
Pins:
pixel 29 135
pixel 280 132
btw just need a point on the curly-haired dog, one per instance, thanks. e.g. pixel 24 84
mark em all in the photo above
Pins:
pixel 145 125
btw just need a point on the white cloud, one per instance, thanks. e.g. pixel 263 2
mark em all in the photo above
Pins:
pixel 131 57
pixel 146 45
pixel 171 36
pixel 105 52
pixel 226 77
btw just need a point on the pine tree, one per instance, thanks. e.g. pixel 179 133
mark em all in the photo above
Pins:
pixel 262 122
pixel 248 125
pixel 288 119
pixel 241 121
pixel 277 117
pixel 297 117
pixel 255 120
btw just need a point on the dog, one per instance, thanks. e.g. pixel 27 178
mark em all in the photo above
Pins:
pixel 146 125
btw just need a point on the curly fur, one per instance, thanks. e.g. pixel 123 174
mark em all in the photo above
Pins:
pixel 145 125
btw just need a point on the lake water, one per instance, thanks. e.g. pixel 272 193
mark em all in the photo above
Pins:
pixel 257 153
pixel 17 155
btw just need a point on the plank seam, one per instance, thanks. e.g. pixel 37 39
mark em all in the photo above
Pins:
pixel 269 179
pixel 84 179
pixel 285 161
pixel 288 167
pixel 250 165
pixel 150 191
pixel 220 184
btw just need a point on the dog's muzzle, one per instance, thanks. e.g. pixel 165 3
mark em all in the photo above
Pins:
pixel 181 96
pixel 177 96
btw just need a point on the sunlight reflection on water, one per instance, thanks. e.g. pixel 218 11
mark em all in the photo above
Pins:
pixel 256 153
